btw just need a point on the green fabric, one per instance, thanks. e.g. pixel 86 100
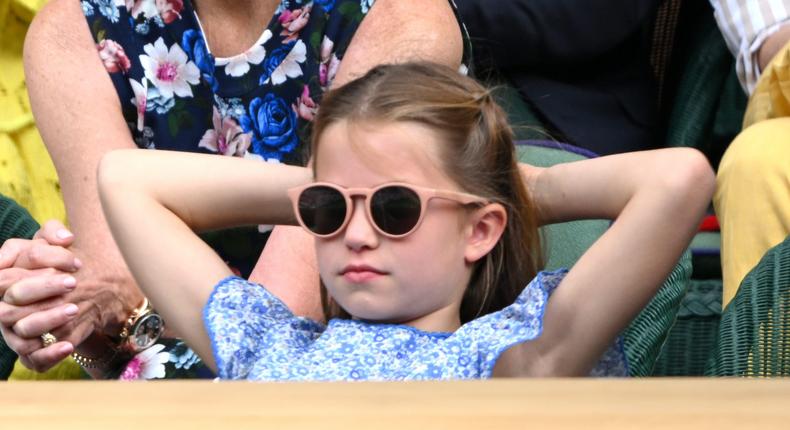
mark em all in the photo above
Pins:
pixel 566 242
pixel 522 117
pixel 15 221
pixel 709 103
pixel 754 334
pixel 563 243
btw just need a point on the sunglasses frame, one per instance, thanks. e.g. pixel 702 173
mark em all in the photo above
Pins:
pixel 424 194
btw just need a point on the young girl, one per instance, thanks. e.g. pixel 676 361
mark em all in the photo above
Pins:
pixel 426 238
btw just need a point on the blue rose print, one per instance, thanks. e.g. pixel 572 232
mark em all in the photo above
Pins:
pixel 273 60
pixel 195 47
pixel 273 126
pixel 327 5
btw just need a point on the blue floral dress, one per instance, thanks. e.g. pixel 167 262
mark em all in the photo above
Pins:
pixel 255 336
pixel 176 95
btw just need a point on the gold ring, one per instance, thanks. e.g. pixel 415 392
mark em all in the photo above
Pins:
pixel 48 339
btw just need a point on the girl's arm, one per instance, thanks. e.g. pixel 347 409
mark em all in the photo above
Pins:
pixel 657 199
pixel 154 200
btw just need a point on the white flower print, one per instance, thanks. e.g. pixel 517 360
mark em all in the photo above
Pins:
pixel 239 65
pixel 365 5
pixel 140 100
pixel 169 70
pixel 290 67
pixel 147 8
pixel 149 364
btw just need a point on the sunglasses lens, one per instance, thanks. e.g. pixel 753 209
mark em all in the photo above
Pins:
pixel 395 210
pixel 322 209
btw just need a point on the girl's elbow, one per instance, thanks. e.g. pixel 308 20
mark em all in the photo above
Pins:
pixel 691 176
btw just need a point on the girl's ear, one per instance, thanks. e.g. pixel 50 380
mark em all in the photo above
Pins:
pixel 486 226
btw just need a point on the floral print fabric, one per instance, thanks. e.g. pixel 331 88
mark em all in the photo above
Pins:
pixel 255 336
pixel 176 95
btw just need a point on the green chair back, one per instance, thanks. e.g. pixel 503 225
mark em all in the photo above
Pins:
pixel 754 333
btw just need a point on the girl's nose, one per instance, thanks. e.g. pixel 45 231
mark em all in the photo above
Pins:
pixel 360 234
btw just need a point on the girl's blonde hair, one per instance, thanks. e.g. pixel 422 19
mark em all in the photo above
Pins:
pixel 477 153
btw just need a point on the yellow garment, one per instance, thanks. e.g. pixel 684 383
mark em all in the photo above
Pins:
pixel 752 199
pixel 26 171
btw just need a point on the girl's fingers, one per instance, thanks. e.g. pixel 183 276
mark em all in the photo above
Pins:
pixel 45 321
pixel 31 290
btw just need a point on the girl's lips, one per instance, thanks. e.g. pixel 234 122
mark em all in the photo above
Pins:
pixel 358 277
pixel 360 273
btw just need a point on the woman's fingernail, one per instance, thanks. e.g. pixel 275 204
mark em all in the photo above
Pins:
pixel 69 282
pixel 66 349
pixel 63 234
pixel 77 263
pixel 71 310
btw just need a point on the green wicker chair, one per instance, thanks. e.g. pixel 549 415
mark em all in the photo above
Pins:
pixel 566 242
pixel 754 333
pixel 15 221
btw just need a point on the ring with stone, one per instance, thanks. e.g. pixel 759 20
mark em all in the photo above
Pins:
pixel 48 339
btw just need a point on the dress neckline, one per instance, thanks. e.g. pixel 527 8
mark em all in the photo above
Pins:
pixel 263 37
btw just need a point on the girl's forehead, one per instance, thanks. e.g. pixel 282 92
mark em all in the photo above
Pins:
pixel 383 151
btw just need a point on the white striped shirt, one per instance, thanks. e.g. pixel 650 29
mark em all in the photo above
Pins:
pixel 745 25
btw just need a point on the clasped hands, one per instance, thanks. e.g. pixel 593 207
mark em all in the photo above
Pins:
pixel 46 289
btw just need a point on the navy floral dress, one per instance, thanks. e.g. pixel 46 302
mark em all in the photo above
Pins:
pixel 176 95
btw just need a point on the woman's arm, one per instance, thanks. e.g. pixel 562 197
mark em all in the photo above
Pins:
pixel 656 199
pixel 79 117
pixel 154 201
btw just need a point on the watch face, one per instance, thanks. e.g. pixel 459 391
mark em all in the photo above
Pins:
pixel 146 331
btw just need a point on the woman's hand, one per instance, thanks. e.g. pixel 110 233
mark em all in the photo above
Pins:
pixel 42 282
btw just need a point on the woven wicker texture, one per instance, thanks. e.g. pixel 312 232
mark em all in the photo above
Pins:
pixel 693 336
pixel 15 221
pixel 708 102
pixel 754 334
pixel 645 336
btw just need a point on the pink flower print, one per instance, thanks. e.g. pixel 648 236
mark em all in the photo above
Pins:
pixel 149 364
pixel 326 49
pixel 304 106
pixel 293 22
pixel 327 71
pixel 329 63
pixel 226 138
pixel 140 100
pixel 169 70
pixel 169 10
pixel 113 56
pixel 147 8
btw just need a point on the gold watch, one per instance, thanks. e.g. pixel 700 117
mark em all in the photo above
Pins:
pixel 142 329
